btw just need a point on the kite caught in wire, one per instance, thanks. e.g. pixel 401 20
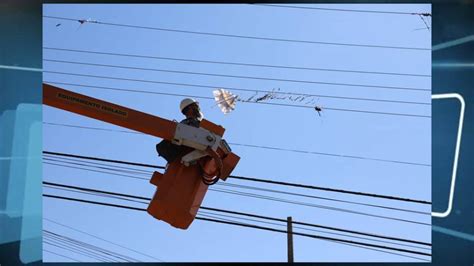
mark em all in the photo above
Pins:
pixel 225 100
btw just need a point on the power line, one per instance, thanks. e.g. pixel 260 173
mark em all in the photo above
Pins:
pixel 82 252
pixel 299 203
pixel 103 239
pixel 236 76
pixel 241 77
pixel 241 36
pixel 258 189
pixel 80 247
pixel 238 63
pixel 98 171
pixel 93 128
pixel 303 203
pixel 330 189
pixel 252 195
pixel 378 250
pixel 318 226
pixel 249 90
pixel 332 154
pixel 354 245
pixel 103 159
pixel 204 212
pixel 82 163
pixel 86 246
pixel 217 215
pixel 79 250
pixel 67 160
pixel 210 98
pixel 244 214
pixel 47 242
pixel 345 10
pixel 57 254
pixel 246 90
pixel 148 173
pixel 246 178
pixel 97 194
pixel 388 252
pixel 99 167
pixel 258 146
pixel 275 199
pixel 246 225
pixel 324 198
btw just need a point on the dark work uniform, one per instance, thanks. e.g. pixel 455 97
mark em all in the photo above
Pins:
pixel 191 122
pixel 170 151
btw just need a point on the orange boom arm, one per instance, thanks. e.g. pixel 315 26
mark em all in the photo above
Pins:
pixel 108 112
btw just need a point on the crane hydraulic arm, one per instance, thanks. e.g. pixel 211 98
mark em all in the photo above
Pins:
pixel 108 112
pixel 181 189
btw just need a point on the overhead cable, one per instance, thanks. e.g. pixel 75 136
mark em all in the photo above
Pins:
pixel 244 225
pixel 236 63
pixel 246 178
pixel 203 33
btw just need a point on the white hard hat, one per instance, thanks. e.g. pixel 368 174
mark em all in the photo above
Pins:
pixel 186 102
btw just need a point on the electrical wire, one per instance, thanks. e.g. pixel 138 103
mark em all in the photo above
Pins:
pixel 85 246
pixel 77 251
pixel 94 163
pixel 243 101
pixel 236 63
pixel 102 239
pixel 79 163
pixel 299 203
pixel 246 90
pixel 206 214
pixel 332 154
pixel 218 215
pixel 97 171
pixel 91 164
pixel 235 76
pixel 257 146
pixel 378 250
pixel 57 254
pixel 318 226
pixel 322 198
pixel 243 214
pixel 244 178
pixel 77 247
pixel 97 194
pixel 244 225
pixel 344 10
pixel 240 36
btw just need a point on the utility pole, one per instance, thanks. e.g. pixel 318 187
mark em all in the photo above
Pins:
pixel 290 239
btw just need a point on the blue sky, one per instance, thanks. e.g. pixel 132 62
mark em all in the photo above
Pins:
pixel 359 134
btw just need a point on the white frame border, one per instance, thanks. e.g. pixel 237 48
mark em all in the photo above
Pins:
pixel 456 153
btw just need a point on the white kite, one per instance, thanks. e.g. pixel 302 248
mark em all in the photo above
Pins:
pixel 225 100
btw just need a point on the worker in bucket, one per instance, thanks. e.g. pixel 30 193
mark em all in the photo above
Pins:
pixel 190 108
